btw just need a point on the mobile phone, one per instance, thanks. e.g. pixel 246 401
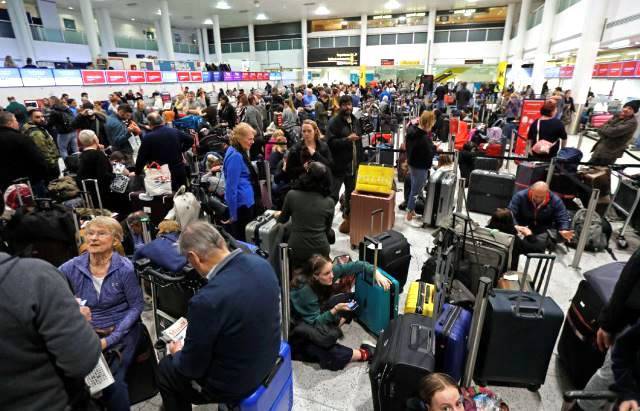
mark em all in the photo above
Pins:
pixel 353 304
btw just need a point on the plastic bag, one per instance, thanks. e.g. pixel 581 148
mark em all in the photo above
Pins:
pixel 157 180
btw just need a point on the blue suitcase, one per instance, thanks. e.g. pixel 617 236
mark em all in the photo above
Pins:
pixel 452 331
pixel 376 307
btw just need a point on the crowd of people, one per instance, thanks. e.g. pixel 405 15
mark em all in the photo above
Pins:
pixel 312 138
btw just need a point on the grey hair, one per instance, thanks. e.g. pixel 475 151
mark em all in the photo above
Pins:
pixel 87 137
pixel 200 237
pixel 155 119
pixel 6 117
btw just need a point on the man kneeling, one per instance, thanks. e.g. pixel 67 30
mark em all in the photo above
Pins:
pixel 233 338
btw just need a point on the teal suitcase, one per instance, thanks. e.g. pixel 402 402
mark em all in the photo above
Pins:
pixel 376 307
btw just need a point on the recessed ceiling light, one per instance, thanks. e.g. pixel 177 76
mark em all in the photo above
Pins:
pixel 70 8
pixel 207 21
pixel 402 18
pixel 132 4
pixel 188 17
pixel 262 16
pixel 392 5
pixel 322 11
pixel 159 12
pixel 223 5
pixel 132 19
pixel 3 1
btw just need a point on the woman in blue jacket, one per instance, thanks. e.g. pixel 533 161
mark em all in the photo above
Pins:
pixel 240 180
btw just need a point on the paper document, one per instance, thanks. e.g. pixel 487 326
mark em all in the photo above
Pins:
pixel 177 331
pixel 100 378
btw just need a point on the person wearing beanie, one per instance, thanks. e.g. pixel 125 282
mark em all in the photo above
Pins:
pixel 615 136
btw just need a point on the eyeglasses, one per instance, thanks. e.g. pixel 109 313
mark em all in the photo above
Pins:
pixel 100 234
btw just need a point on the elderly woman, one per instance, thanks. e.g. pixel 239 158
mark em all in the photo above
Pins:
pixel 310 148
pixel 94 164
pixel 106 287
pixel 241 180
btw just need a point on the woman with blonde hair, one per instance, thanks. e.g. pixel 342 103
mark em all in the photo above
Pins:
pixel 420 152
pixel 311 148
pixel 241 180
pixel 110 298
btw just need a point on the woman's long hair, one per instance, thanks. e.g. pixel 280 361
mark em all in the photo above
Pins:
pixel 305 276
pixel 317 178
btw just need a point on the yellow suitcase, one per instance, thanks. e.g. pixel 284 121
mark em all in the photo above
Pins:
pixel 420 299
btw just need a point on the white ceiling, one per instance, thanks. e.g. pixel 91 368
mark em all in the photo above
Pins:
pixel 192 13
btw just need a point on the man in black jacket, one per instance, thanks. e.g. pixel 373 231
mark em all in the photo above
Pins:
pixel 19 156
pixel 87 119
pixel 343 137
pixel 622 311
pixel 164 145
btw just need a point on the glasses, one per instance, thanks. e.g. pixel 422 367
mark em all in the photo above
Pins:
pixel 99 234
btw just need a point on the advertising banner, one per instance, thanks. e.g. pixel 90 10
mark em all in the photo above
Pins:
pixel 93 77
pixel 530 113
pixel 615 69
pixel 196 76
pixel 628 68
pixel 116 77
pixel 236 76
pixel 169 77
pixel 502 75
pixel 37 77
pixel 153 76
pixel 184 77
pixel 136 76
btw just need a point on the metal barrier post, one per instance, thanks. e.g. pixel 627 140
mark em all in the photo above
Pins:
pixel 580 138
pixel 511 143
pixel 477 323
pixel 552 168
pixel 460 198
pixel 284 284
pixel 455 163
pixel 593 201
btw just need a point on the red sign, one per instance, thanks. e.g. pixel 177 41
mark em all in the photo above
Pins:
pixel 603 70
pixel 183 76
pixel 387 62
pixel 153 76
pixel 615 69
pixel 530 113
pixel 594 73
pixel 628 68
pixel 566 71
pixel 262 76
pixel 116 76
pixel 90 77
pixel 253 76
pixel 196 76
pixel 245 76
pixel 135 76
pixel 637 68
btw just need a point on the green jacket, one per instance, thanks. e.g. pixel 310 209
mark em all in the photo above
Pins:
pixel 305 301
pixel 44 142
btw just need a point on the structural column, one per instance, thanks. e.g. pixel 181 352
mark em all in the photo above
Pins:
pixel 587 53
pixel 431 34
pixel 305 50
pixel 506 36
pixel 200 45
pixel 107 39
pixel 165 26
pixel 544 42
pixel 88 20
pixel 205 44
pixel 252 43
pixel 518 48
pixel 363 39
pixel 21 28
pixel 217 39
pixel 162 50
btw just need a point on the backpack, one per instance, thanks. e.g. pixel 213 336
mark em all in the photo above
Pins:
pixel 186 208
pixel 599 231
pixel 66 118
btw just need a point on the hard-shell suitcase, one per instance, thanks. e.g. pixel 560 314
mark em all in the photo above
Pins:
pixel 452 331
pixel 264 232
pixel 363 208
pixel 489 190
pixel 156 207
pixel 405 353
pixel 394 255
pixel 420 299
pixel 530 172
pixel 577 350
pixel 440 197
pixel 376 307
pixel 486 163
pixel 264 180
pixel 520 332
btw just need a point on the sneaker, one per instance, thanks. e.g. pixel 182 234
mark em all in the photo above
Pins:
pixel 369 348
pixel 344 226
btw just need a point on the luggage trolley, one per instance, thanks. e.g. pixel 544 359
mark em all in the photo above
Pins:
pixel 625 200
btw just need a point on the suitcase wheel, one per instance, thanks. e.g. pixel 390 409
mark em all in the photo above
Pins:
pixel 533 388
pixel 622 243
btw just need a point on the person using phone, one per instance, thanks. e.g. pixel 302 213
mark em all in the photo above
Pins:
pixel 317 322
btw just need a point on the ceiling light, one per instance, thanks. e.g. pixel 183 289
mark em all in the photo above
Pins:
pixel 207 21
pixel 402 18
pixel 159 12
pixel 262 16
pixel 223 5
pixel 392 5
pixel 322 11
pixel 132 19
pixel 3 1
pixel 70 8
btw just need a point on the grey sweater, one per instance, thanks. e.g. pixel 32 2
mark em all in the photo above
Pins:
pixel 42 334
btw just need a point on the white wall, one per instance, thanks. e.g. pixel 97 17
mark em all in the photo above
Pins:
pixel 285 58
pixel 457 53
pixel 398 52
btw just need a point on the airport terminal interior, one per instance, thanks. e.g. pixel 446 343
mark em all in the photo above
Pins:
pixel 399 132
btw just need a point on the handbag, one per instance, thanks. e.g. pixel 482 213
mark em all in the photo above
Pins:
pixel 119 183
pixel 375 179
pixel 157 180
pixel 542 147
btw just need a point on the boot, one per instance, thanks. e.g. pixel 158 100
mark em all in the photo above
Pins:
pixel 344 226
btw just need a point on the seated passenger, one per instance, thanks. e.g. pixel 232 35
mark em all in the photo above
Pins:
pixel 537 210
pixel 107 284
pixel 502 220
pixel 233 338
pixel 438 392
pixel 163 251
pixel 311 208
pixel 625 358
pixel 313 309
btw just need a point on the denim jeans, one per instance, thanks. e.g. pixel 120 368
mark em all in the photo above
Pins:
pixel 418 179
pixel 64 141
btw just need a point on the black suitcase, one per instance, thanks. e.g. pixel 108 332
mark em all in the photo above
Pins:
pixel 530 172
pixel 142 375
pixel 489 190
pixel 486 163
pixel 157 207
pixel 394 257
pixel 443 132
pixel 520 332
pixel 577 350
pixel 405 353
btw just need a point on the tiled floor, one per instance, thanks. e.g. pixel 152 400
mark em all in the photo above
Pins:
pixel 320 390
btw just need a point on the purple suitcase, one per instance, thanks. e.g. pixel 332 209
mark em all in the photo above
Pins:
pixel 530 172
pixel 452 331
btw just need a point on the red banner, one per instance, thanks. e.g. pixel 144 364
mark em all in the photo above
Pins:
pixel 91 77
pixel 245 76
pixel 530 113
pixel 183 76
pixel 603 70
pixel 196 76
pixel 153 76
pixel 136 76
pixel 637 68
pixel 253 76
pixel 628 68
pixel 594 73
pixel 615 69
pixel 116 76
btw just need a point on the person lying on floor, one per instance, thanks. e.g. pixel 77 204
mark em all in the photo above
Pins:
pixel 318 317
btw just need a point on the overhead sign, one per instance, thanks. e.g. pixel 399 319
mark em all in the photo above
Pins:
pixel 184 77
pixel 67 77
pixel 196 76
pixel 227 76
pixel 153 76
pixel 169 77
pixel 629 68
pixel 615 69
pixel 236 76
pixel 245 76
pixel 10 77
pixel 37 77
pixel 136 76
pixel 387 62
pixel 501 76
pixel 216 76
pixel 334 57
pixel 93 77
pixel 117 77
pixel 409 62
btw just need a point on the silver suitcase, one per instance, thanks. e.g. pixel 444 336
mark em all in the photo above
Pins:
pixel 264 232
pixel 441 189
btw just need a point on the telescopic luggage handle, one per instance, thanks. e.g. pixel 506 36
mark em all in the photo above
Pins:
pixel 373 215
pixel 544 269
pixel 95 185
pixel 284 285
